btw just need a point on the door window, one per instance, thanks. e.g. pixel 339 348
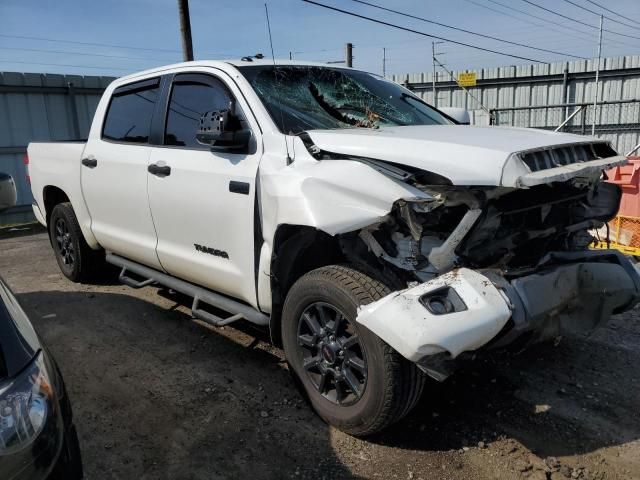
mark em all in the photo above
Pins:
pixel 193 95
pixel 130 111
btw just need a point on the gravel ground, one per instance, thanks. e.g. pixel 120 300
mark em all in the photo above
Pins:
pixel 157 395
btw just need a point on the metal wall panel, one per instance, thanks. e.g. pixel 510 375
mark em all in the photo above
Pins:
pixel 518 87
pixel 41 107
pixel 61 107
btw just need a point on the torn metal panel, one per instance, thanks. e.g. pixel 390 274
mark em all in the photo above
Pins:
pixel 568 293
pixel 577 298
pixel 567 172
pixel 403 321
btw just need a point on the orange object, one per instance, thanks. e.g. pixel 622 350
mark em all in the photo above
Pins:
pixel 624 229
pixel 628 177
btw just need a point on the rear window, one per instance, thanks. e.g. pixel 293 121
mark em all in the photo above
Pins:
pixel 130 112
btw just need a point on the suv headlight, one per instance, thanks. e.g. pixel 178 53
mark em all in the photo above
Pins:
pixel 26 402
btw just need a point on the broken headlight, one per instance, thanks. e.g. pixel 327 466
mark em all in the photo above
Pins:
pixel 26 402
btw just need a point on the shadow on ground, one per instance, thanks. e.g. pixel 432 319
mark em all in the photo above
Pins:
pixel 157 395
pixel 572 398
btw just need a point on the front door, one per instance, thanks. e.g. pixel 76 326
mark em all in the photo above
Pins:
pixel 203 204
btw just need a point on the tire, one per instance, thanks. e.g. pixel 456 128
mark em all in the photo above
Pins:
pixel 77 261
pixel 328 362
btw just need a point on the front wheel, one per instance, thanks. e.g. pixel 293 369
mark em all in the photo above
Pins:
pixel 353 379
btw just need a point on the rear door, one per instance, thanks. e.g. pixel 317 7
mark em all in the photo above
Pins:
pixel 203 209
pixel 114 174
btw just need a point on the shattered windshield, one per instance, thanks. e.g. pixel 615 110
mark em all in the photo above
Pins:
pixel 301 98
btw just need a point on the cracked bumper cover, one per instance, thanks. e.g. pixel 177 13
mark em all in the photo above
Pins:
pixel 568 292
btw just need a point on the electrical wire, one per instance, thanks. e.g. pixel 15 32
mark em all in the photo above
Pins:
pixel 598 14
pixel 578 21
pixel 62 65
pixel 353 14
pixel 465 31
pixel 610 11
pixel 92 44
pixel 587 35
pixel 67 52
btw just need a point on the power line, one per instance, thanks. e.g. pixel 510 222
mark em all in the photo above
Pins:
pixel 62 65
pixel 353 14
pixel 67 52
pixel 588 35
pixel 578 21
pixel 524 19
pixel 466 31
pixel 92 44
pixel 610 11
pixel 598 14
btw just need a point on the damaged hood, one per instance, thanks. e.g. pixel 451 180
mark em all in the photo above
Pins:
pixel 469 155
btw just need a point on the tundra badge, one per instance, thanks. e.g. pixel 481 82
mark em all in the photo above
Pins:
pixel 211 251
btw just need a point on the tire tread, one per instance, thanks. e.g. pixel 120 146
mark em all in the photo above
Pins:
pixel 404 381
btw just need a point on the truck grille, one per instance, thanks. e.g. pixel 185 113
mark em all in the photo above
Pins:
pixel 567 154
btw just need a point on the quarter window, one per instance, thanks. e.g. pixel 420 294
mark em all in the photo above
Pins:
pixel 130 112
pixel 193 95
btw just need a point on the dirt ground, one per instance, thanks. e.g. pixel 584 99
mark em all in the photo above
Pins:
pixel 157 395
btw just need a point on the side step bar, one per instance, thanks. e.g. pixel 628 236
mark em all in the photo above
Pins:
pixel 200 295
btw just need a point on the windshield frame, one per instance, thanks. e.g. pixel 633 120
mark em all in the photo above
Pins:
pixel 247 71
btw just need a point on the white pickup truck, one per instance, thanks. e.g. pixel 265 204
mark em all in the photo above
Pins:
pixel 375 237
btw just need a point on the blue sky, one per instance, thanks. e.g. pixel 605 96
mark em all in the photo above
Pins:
pixel 228 28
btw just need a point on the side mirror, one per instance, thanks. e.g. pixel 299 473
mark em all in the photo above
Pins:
pixel 460 115
pixel 222 131
pixel 8 193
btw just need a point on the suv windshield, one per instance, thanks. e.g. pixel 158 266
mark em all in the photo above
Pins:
pixel 301 98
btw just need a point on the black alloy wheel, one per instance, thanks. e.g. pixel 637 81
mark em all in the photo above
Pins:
pixel 77 261
pixel 333 357
pixel 350 376
pixel 64 242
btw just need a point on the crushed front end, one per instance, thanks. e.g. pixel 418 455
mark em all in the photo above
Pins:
pixel 480 267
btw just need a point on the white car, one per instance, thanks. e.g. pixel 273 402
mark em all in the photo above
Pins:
pixel 375 237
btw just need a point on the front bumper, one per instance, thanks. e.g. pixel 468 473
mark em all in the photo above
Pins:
pixel 567 292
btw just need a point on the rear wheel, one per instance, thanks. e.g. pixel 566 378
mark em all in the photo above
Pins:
pixel 353 379
pixel 77 261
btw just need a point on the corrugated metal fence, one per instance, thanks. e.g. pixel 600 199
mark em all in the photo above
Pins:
pixel 60 107
pixel 556 88
pixel 41 107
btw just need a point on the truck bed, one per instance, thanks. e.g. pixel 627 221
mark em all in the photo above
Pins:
pixel 56 165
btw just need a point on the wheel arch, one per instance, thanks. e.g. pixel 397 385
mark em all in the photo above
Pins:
pixel 297 249
pixel 52 196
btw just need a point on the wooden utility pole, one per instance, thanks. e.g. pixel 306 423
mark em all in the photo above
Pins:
pixel 348 54
pixel 185 30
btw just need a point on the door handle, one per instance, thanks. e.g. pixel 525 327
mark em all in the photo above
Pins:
pixel 90 162
pixel 159 170
pixel 239 187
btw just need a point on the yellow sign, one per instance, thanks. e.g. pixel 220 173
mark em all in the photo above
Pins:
pixel 467 79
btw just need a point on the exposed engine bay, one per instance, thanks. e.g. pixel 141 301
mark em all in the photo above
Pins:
pixel 498 228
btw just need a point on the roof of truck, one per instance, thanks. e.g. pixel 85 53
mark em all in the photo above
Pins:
pixel 224 65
